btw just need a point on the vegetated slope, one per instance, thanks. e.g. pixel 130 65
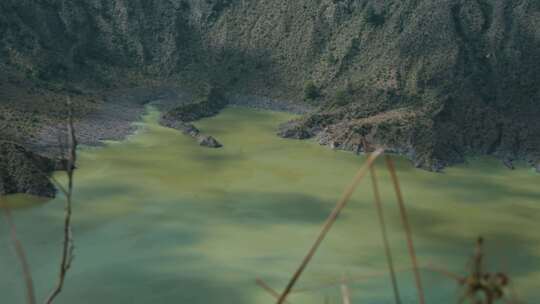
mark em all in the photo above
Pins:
pixel 433 79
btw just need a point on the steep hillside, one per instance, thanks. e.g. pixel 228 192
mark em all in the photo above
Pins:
pixel 433 79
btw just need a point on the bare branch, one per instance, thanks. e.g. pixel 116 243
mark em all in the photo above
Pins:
pixel 349 280
pixel 459 279
pixel 329 222
pixel 407 228
pixel 68 245
pixel 21 255
pixel 267 288
pixel 345 292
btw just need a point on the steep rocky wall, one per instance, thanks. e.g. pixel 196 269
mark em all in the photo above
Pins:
pixel 467 69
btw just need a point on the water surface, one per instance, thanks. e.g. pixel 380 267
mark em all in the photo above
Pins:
pixel 159 219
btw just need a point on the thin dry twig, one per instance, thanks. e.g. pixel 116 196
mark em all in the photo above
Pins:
pixel 267 288
pixel 492 287
pixel 21 254
pixel 345 292
pixel 459 279
pixel 68 247
pixel 384 234
pixel 407 228
pixel 349 280
pixel 329 222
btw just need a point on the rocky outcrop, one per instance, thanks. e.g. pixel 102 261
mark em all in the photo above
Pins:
pixel 209 104
pixel 192 131
pixel 295 129
pixel 22 171
pixel 209 141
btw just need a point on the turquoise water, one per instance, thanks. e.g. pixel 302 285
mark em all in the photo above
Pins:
pixel 158 219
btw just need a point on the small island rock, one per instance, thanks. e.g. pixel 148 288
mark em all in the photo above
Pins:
pixel 210 142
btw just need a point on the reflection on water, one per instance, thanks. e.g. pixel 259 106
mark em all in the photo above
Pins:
pixel 159 219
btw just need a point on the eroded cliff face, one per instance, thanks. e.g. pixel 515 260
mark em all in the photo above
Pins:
pixel 434 79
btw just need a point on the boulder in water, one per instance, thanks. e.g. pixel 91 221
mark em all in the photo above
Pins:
pixel 210 142
pixel 508 163
pixel 190 130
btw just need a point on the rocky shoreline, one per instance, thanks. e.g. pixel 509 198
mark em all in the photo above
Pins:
pixel 120 109
pixel 114 121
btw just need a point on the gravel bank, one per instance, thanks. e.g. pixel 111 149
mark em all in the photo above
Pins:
pixel 120 109
pixel 113 121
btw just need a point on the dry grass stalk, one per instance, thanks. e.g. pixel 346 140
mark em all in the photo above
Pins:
pixel 329 222
pixel 21 254
pixel 479 283
pixel 267 288
pixel 345 292
pixel 407 228
pixel 384 234
pixel 348 280
pixel 68 247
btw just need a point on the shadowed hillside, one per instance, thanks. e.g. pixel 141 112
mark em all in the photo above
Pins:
pixel 435 80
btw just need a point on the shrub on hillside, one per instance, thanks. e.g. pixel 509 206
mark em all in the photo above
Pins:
pixel 343 97
pixel 311 91
pixel 374 18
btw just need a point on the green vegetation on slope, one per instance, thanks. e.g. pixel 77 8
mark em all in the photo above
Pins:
pixel 466 69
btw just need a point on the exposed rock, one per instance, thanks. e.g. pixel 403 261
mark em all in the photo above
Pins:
pixel 209 141
pixel 508 163
pixel 207 105
pixel 22 171
pixel 211 103
pixel 186 128
pixel 294 129
pixel 191 130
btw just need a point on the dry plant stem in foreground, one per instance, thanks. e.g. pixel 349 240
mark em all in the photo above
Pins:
pixel 329 222
pixel 21 255
pixel 406 227
pixel 345 292
pixel 492 287
pixel 268 289
pixel 384 234
pixel 67 248
pixel 349 280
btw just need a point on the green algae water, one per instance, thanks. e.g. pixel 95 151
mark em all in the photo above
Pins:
pixel 158 219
